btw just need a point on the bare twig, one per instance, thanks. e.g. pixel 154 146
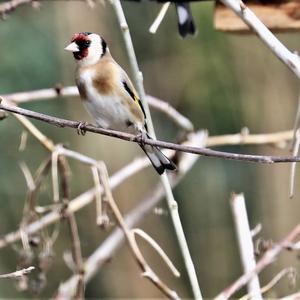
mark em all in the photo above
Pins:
pixel 245 242
pixel 100 219
pixel 18 273
pixel 293 246
pixel 23 140
pixel 267 259
pixel 277 138
pixel 43 94
pixel 273 282
pixel 54 168
pixel 76 247
pixel 153 28
pixel 171 112
pixel 28 176
pixel 256 230
pixel 295 148
pixel 45 141
pixel 157 248
pixel 269 159
pixel 291 60
pixel 293 165
pixel 129 235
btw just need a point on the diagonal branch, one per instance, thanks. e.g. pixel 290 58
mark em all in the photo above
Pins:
pixel 291 60
pixel 285 272
pixel 267 259
pixel 157 248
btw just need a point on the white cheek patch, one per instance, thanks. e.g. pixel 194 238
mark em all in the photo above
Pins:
pixel 94 51
pixel 182 14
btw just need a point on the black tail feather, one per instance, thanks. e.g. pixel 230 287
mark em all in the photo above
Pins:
pixel 185 19
pixel 159 161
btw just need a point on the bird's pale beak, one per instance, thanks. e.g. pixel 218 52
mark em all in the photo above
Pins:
pixel 73 47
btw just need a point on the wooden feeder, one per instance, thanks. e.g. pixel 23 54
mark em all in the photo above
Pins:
pixel 277 15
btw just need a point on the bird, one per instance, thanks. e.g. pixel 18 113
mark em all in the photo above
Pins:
pixel 185 22
pixel 108 94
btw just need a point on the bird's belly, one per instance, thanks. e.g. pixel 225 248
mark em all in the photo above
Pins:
pixel 107 109
pixel 110 113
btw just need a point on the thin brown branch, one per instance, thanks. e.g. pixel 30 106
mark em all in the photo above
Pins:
pixel 267 259
pixel 243 138
pixel 129 137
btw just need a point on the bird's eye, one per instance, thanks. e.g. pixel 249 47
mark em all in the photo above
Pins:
pixel 87 43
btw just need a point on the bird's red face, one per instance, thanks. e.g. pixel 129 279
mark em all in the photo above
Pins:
pixel 87 48
pixel 83 42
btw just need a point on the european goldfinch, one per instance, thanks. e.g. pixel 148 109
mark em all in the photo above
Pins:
pixel 108 94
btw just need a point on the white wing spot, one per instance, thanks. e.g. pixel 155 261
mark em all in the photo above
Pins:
pixel 182 14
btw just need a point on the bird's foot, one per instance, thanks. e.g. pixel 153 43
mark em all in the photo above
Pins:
pixel 80 130
pixel 141 137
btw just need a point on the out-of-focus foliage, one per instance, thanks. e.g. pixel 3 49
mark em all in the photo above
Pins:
pixel 221 82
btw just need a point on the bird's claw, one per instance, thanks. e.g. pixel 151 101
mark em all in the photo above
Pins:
pixel 141 137
pixel 80 130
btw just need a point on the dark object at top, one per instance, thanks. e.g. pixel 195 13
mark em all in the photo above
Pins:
pixel 185 20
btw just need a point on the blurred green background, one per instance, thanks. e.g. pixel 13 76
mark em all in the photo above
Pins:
pixel 221 82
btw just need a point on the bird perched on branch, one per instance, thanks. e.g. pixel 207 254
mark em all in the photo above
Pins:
pixel 185 20
pixel 108 94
